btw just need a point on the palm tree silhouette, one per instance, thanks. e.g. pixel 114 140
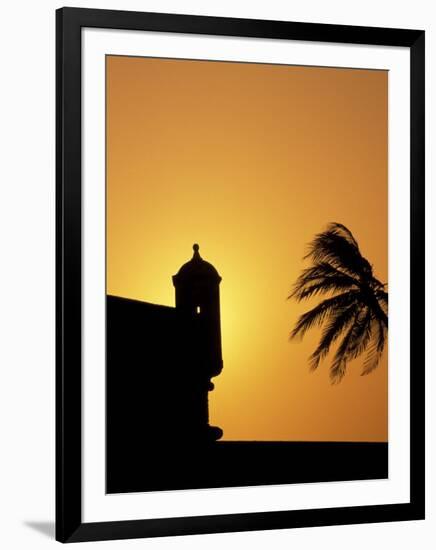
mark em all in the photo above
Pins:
pixel 357 309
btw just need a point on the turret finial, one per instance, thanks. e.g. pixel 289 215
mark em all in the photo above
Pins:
pixel 196 248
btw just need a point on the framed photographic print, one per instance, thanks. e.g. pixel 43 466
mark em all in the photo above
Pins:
pixel 240 274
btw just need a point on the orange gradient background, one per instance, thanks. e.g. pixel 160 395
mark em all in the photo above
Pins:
pixel 250 161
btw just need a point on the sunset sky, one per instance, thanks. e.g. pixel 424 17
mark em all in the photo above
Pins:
pixel 251 161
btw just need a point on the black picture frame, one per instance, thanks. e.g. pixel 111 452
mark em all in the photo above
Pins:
pixel 69 525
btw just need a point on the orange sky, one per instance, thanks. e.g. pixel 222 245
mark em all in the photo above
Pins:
pixel 250 161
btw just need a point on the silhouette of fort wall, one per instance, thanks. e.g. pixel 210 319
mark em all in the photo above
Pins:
pixel 155 387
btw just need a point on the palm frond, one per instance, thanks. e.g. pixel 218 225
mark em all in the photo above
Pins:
pixel 320 279
pixel 329 284
pixel 344 231
pixel 339 321
pixel 382 295
pixel 339 248
pixel 339 365
pixel 362 334
pixel 382 300
pixel 375 351
pixel 316 316
pixel 354 343
pixel 380 310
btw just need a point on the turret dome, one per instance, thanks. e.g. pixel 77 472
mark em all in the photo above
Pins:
pixel 196 270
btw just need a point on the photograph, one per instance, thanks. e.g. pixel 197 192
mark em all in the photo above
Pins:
pixel 246 274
